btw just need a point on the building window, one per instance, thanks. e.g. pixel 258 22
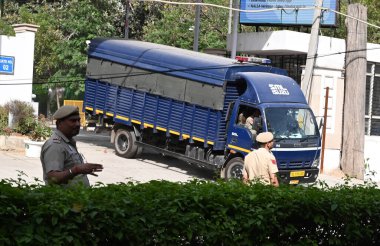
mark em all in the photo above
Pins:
pixel 372 104
pixel 292 63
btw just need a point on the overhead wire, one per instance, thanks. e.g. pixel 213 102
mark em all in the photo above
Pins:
pixel 224 7
pixel 341 52
pixel 261 10
pixel 354 18
pixel 126 74
pixel 189 69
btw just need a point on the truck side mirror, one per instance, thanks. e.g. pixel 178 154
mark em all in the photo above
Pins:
pixel 320 124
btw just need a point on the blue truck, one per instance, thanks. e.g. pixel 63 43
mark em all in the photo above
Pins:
pixel 187 105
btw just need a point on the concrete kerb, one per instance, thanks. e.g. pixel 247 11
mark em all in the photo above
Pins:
pixel 12 142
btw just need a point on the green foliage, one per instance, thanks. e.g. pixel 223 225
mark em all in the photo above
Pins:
pixel 194 213
pixel 141 15
pixel 24 121
pixel 6 29
pixel 65 25
pixel 373 17
pixel 60 48
pixel 40 129
pixel 175 26
pixel 3 117
pixel 4 129
pixel 64 28
pixel 83 20
pixel 22 113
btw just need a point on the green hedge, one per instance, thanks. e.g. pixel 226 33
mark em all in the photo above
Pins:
pixel 194 213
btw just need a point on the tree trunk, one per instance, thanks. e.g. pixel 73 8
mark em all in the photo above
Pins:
pixel 57 97
pixel 352 159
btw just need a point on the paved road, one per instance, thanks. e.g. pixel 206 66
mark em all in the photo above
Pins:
pixel 97 149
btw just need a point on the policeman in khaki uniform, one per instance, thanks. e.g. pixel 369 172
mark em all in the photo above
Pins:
pixel 61 162
pixel 261 164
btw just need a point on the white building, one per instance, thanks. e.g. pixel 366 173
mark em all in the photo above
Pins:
pixel 17 76
pixel 288 50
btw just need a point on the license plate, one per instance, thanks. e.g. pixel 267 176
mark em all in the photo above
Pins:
pixel 297 174
pixel 294 182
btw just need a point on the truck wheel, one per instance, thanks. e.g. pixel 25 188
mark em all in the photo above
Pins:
pixel 139 151
pixel 234 169
pixel 125 145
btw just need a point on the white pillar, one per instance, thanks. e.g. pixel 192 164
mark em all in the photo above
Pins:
pixel 18 86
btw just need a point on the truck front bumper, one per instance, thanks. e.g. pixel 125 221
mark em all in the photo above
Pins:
pixel 298 176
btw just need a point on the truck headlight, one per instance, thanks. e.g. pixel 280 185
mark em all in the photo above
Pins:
pixel 315 163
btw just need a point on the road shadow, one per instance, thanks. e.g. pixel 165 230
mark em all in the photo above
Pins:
pixel 99 139
pixel 173 164
pixel 147 156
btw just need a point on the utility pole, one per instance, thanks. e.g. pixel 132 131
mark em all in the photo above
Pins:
pixel 352 159
pixel 230 17
pixel 196 25
pixel 324 128
pixel 235 29
pixel 313 48
pixel 126 27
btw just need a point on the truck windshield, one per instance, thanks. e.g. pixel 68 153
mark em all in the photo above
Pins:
pixel 294 123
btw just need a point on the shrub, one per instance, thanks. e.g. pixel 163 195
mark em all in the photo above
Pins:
pixel 40 130
pixel 22 116
pixel 194 213
pixel 24 121
pixel 3 121
pixel 7 131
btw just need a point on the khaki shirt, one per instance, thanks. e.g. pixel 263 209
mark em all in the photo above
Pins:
pixel 252 124
pixel 59 154
pixel 259 164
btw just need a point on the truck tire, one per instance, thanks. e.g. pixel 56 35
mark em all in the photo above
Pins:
pixel 125 143
pixel 139 150
pixel 234 169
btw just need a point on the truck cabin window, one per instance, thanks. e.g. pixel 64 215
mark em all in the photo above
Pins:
pixel 293 123
pixel 250 118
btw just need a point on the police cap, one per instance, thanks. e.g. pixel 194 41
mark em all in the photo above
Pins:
pixel 65 111
pixel 264 137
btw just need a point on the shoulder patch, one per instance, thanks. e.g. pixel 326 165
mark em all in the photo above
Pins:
pixel 56 140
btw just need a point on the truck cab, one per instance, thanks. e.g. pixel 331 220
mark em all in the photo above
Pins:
pixel 278 106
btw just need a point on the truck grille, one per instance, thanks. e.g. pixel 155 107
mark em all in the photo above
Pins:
pixel 294 164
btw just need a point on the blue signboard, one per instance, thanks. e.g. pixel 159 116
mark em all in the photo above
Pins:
pixel 7 65
pixel 286 17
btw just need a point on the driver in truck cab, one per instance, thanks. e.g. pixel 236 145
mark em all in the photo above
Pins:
pixel 261 164
pixel 253 123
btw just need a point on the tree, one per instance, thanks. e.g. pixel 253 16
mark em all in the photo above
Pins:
pixel 175 26
pixel 65 26
pixel 373 7
pixel 82 20
pixel 142 14
pixel 60 48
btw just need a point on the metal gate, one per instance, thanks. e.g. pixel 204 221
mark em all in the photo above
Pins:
pixel 79 104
